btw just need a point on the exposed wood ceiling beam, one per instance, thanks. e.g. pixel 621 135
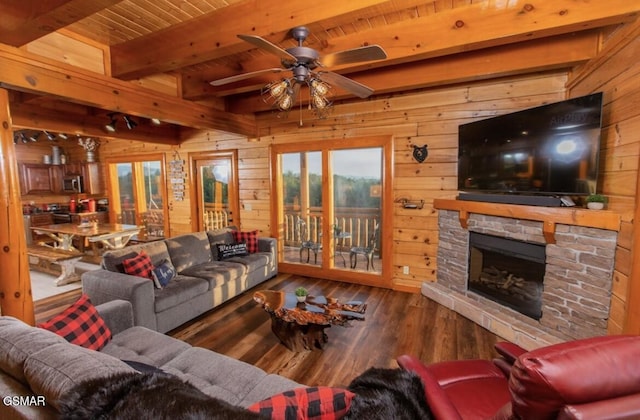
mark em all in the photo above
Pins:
pixel 536 55
pixel 37 118
pixel 461 29
pixel 453 31
pixel 22 71
pixel 25 21
pixel 214 35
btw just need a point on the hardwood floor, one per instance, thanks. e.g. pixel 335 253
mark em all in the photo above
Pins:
pixel 396 323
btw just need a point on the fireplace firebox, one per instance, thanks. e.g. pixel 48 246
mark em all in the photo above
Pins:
pixel 507 271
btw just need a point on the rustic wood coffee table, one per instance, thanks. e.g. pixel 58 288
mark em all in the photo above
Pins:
pixel 300 326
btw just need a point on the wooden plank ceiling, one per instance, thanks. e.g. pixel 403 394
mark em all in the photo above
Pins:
pixel 428 43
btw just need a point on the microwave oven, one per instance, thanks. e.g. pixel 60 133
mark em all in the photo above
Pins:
pixel 72 184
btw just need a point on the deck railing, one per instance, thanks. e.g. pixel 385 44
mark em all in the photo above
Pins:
pixel 358 222
pixel 215 219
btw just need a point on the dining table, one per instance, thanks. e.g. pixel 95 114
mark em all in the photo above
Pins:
pixel 111 235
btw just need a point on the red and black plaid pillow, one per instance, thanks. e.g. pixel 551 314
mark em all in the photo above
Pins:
pixel 250 238
pixel 80 324
pixel 313 403
pixel 140 265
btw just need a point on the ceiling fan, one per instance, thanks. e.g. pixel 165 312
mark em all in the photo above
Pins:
pixel 302 61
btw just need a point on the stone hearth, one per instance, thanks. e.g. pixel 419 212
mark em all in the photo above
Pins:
pixel 577 281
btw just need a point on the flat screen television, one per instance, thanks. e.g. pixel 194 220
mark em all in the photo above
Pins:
pixel 550 150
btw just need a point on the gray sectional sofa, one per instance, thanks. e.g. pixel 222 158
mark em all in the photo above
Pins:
pixel 40 366
pixel 202 282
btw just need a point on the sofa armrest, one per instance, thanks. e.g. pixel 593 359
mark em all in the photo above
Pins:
pixel 437 399
pixel 267 244
pixel 117 314
pixel 627 407
pixel 104 286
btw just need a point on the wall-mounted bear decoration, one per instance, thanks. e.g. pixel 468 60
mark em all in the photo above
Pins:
pixel 420 153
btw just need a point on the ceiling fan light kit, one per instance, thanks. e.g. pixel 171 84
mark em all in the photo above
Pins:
pixel 301 61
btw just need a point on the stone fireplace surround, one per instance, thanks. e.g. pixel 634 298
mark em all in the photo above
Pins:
pixel 578 273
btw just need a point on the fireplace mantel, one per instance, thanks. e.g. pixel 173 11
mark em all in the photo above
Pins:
pixel 549 216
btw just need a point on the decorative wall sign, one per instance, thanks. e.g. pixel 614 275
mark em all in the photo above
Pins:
pixel 420 153
pixel 177 177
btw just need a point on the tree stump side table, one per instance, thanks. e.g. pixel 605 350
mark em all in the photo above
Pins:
pixel 300 325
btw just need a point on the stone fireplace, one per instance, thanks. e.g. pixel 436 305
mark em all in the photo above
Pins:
pixel 576 271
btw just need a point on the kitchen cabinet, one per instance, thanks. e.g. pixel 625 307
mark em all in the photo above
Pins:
pixel 38 178
pixel 90 173
pixel 92 178
pixel 72 169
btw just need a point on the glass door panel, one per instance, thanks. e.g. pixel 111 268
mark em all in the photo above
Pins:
pixel 357 210
pixel 125 204
pixel 216 200
pixel 302 207
pixel 152 215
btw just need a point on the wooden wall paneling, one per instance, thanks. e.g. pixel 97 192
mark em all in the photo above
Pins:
pixel 444 108
pixel 615 73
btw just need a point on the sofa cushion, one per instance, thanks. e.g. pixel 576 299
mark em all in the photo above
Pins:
pixel 53 371
pixel 218 273
pixel 250 238
pixel 80 324
pixel 313 403
pixel 253 261
pixel 215 374
pixel 112 260
pixel 143 345
pixel 139 265
pixel 18 341
pixel 189 250
pixel 179 290
pixel 226 251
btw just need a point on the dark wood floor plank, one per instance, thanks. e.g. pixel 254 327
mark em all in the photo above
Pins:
pixel 396 323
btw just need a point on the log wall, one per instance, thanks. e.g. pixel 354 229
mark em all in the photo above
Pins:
pixel 616 73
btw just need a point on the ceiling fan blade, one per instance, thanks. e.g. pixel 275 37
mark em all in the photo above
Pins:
pixel 239 77
pixel 347 84
pixel 355 55
pixel 268 46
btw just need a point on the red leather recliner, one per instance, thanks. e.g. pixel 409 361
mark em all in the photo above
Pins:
pixel 594 378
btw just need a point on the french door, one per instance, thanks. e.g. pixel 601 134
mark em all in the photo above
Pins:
pixel 137 193
pixel 215 190
pixel 331 210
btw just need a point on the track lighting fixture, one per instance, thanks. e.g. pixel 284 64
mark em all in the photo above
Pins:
pixel 111 127
pixel 26 136
pixel 131 124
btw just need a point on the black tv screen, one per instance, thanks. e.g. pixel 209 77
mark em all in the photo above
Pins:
pixel 548 150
